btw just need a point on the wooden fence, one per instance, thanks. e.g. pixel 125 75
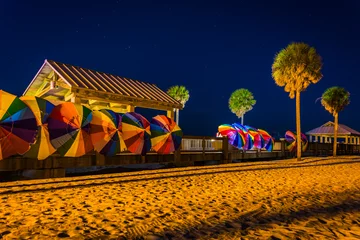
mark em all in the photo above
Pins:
pixel 193 149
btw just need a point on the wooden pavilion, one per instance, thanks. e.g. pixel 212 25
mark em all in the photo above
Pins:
pixel 59 82
pixel 325 134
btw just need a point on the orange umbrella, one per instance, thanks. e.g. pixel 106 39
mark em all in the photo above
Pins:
pixel 106 133
pixel 69 127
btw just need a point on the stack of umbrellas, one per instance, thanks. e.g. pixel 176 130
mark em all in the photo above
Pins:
pixel 166 135
pixel 246 137
pixel 106 132
pixel 69 127
pixel 18 126
pixel 41 109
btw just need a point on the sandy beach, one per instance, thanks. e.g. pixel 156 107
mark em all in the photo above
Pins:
pixel 318 198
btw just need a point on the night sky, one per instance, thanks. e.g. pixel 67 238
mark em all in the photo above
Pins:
pixel 211 47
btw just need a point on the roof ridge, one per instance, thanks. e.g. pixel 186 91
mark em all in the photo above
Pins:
pixel 127 78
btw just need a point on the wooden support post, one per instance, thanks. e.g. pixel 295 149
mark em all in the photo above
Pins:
pixel 225 150
pixel 203 146
pixel 177 158
pixel 282 147
pixel 130 108
pixel 170 114
pixel 316 153
pixel 100 159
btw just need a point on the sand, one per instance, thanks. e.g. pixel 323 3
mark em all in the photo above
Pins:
pixel 318 198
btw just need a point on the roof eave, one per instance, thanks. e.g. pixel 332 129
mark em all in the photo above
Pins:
pixel 34 79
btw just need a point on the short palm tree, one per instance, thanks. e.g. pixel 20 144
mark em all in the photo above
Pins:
pixel 180 94
pixel 240 102
pixel 335 99
pixel 295 68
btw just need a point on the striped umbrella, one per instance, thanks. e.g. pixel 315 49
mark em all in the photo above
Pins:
pixel 166 135
pixel 41 109
pixel 268 140
pixel 69 127
pixel 248 138
pixel 291 138
pixel 136 133
pixel 18 126
pixel 259 141
pixel 235 135
pixel 106 133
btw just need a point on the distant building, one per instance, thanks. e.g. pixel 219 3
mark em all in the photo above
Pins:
pixel 325 134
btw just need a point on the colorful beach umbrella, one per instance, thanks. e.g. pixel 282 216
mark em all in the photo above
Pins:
pixel 166 135
pixel 258 140
pixel 268 140
pixel 69 127
pixel 41 109
pixel 235 136
pixel 18 126
pixel 291 138
pixel 136 133
pixel 106 132
pixel 249 139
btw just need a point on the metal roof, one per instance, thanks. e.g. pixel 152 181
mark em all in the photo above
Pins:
pixel 328 129
pixel 82 78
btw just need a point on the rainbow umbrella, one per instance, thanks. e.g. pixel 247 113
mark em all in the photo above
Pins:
pixel 166 135
pixel 258 140
pixel 106 133
pixel 41 109
pixel 69 127
pixel 136 133
pixel 18 126
pixel 291 137
pixel 268 140
pixel 235 136
pixel 249 139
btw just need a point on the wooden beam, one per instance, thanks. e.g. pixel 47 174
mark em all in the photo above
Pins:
pixel 115 98
pixel 41 88
pixel 44 91
pixel 68 96
pixel 91 101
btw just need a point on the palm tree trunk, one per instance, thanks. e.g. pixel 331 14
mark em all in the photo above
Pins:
pixel 177 116
pixel 335 133
pixel 242 119
pixel 298 126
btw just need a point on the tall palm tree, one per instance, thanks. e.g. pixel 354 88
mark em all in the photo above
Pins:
pixel 335 99
pixel 180 94
pixel 295 68
pixel 240 102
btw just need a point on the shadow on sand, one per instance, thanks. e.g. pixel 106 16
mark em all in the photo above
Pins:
pixel 114 181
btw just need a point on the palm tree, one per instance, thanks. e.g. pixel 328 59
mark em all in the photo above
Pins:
pixel 335 99
pixel 295 68
pixel 240 102
pixel 180 94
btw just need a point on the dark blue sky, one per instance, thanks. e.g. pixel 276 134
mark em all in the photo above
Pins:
pixel 211 47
